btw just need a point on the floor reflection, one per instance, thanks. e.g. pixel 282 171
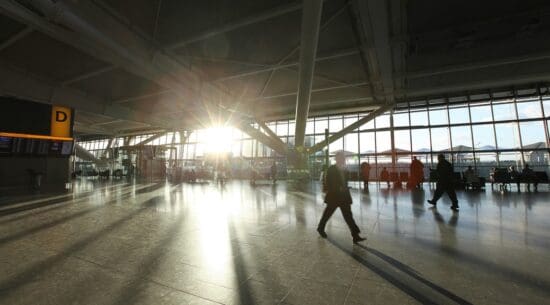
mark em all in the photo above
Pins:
pixel 115 242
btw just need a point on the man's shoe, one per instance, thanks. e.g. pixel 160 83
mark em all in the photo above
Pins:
pixel 322 233
pixel 358 238
pixel 432 202
pixel 454 208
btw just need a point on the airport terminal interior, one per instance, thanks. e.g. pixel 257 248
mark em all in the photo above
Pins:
pixel 188 152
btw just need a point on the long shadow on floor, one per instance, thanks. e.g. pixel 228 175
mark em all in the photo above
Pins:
pixel 61 220
pixel 245 294
pixel 146 268
pixel 150 188
pixel 10 286
pixel 386 271
pixel 49 202
pixel 486 265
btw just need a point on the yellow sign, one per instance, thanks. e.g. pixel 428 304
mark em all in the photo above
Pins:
pixel 61 122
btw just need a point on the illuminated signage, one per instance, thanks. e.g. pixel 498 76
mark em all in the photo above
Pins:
pixel 30 120
pixel 61 122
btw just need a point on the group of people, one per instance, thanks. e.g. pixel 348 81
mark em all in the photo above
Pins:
pixel 527 175
pixel 414 180
pixel 337 194
pixel 254 175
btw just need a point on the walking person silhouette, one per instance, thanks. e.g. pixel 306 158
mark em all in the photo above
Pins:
pixel 338 196
pixel 444 182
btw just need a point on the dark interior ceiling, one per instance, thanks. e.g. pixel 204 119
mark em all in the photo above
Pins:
pixel 141 65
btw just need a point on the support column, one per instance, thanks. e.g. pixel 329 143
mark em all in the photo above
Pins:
pixel 393 152
pixel 311 19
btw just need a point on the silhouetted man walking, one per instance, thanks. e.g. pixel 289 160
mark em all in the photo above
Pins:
pixel 338 196
pixel 444 182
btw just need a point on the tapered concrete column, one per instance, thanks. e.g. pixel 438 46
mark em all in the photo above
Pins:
pixel 311 20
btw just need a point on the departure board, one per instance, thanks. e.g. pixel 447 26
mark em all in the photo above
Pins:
pixel 27 119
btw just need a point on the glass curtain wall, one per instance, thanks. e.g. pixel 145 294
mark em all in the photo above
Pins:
pixel 483 131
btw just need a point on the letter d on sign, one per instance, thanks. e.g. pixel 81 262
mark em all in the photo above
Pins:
pixel 60 116
pixel 61 122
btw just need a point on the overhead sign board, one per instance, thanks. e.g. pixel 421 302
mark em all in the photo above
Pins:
pixel 61 122
pixel 30 120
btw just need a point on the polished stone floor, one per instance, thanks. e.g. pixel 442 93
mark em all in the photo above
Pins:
pixel 161 243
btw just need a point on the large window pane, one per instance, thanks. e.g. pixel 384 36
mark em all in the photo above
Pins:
pixel 402 140
pixel 538 160
pixel 481 113
pixel 440 139
pixel 238 135
pixel 383 141
pixel 309 141
pixel 485 161
pixel 236 149
pixel 319 139
pixel 188 151
pixel 367 126
pixel 507 135
pixel 546 103
pixel 504 111
pixel 348 120
pixel 310 127
pixel 291 128
pixel 506 159
pixel 459 115
pixel 532 135
pixel 290 141
pixel 484 137
pixel 351 143
pixel 320 126
pixel 419 118
pixel 438 116
pixel 529 110
pixel 461 160
pixel 336 146
pixel 420 140
pixel 403 163
pixel 281 129
pixel 382 121
pixel 247 148
pixel 199 150
pixel 366 142
pixel 461 138
pixel 335 124
pixel 401 119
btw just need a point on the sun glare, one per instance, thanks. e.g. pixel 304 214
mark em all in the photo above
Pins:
pixel 218 139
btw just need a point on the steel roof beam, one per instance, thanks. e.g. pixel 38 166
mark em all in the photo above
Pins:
pixel 334 55
pixel 263 138
pixel 275 12
pixel 99 34
pixel 21 84
pixel 369 117
pixel 475 66
pixel 346 86
pixel 13 39
pixel 150 139
pixel 87 75
pixel 270 132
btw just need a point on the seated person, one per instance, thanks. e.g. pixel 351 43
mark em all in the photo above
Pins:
pixel 470 176
pixel 529 176
pixel 492 174
pixel 514 176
